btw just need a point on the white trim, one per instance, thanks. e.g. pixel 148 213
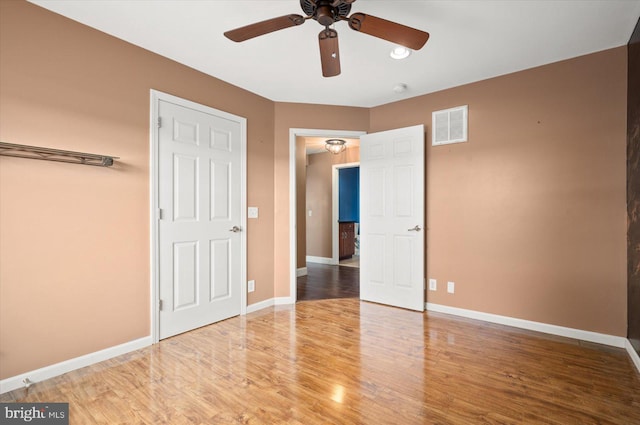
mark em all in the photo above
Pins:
pixel 321 260
pixel 47 372
pixel 156 96
pixel 335 205
pixel 260 305
pixel 302 271
pixel 599 338
pixel 284 300
pixel 633 354
pixel 293 133
pixel 269 303
pixel 153 218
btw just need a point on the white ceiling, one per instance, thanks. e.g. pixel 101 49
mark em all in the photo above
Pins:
pixel 470 41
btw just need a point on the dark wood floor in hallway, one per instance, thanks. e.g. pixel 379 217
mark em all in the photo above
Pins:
pixel 324 282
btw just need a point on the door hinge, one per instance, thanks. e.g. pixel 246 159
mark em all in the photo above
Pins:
pixel 160 305
pixel 159 122
pixel 159 213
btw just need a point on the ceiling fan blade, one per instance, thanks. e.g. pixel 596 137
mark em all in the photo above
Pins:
pixel 387 30
pixel 329 53
pixel 264 27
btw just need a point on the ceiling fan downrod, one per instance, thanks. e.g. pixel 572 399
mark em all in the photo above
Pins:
pixel 325 15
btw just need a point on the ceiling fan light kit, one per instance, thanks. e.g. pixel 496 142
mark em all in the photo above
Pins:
pixel 326 13
pixel 335 146
pixel 400 52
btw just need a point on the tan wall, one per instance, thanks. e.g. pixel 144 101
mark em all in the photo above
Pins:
pixel 301 201
pixel 320 199
pixel 633 188
pixel 74 251
pixel 295 115
pixel 528 217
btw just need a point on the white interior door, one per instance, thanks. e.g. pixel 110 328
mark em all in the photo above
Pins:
pixel 392 217
pixel 199 231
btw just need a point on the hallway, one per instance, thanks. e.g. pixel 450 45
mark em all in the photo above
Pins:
pixel 325 282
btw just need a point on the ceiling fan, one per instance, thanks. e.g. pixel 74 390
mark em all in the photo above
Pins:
pixel 327 12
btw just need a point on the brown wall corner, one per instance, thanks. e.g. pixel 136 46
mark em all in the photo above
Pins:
pixel 301 202
pixel 633 188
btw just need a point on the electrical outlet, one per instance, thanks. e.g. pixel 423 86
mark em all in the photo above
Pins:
pixel 451 287
pixel 251 286
pixel 433 285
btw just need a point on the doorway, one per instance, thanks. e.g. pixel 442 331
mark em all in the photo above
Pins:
pixel 346 214
pixel 297 212
pixel 330 216
pixel 392 195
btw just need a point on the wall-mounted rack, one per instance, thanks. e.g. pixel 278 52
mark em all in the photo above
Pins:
pixel 36 152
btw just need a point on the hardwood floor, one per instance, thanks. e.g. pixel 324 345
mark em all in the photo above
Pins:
pixel 351 262
pixel 324 282
pixel 343 361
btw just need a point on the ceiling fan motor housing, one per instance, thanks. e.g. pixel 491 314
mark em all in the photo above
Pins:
pixel 324 12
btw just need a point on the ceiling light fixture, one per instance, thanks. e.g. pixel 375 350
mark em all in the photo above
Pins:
pixel 335 146
pixel 400 52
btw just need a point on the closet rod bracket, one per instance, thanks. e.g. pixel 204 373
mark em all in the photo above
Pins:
pixel 48 154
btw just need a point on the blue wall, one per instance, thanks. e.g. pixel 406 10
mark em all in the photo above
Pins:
pixel 349 193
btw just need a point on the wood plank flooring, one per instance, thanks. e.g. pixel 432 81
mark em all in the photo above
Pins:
pixel 324 282
pixel 344 361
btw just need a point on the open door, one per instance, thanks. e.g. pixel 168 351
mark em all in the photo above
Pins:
pixel 392 217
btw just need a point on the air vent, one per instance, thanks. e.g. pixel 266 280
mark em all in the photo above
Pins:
pixel 449 126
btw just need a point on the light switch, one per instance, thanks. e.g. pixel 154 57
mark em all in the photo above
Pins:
pixel 310 213
pixel 252 212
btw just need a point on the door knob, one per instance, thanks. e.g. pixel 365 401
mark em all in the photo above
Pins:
pixel 235 229
pixel 415 229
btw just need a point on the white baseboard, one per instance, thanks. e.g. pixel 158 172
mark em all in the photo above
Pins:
pixel 283 300
pixel 633 354
pixel 47 372
pixel 269 303
pixel 319 260
pixel 599 338
pixel 260 305
pixel 302 271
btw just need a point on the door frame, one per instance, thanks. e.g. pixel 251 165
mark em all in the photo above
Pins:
pixel 335 205
pixel 293 227
pixel 154 212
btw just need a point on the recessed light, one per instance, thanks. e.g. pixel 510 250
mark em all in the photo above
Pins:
pixel 400 52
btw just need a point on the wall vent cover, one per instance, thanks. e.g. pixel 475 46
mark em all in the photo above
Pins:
pixel 449 126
